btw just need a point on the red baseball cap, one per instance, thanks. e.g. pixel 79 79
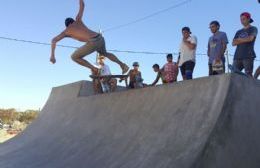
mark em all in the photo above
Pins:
pixel 248 15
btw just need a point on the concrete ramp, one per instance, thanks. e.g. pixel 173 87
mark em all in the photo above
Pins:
pixel 210 122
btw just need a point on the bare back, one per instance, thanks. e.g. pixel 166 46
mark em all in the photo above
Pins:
pixel 79 31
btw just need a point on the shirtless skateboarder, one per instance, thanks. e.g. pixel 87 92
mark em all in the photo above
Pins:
pixel 77 30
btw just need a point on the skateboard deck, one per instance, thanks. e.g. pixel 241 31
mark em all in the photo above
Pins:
pixel 107 76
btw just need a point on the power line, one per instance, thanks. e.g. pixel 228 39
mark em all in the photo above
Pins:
pixel 116 51
pixel 67 46
pixel 34 42
pixel 148 16
pixel 142 52
pixel 113 50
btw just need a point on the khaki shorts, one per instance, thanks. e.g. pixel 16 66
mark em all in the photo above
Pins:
pixel 94 44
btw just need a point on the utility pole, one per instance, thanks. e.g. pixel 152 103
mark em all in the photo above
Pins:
pixel 100 32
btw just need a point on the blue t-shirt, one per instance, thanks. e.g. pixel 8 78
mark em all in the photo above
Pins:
pixel 246 50
pixel 215 46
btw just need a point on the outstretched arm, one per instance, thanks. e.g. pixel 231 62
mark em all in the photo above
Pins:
pixel 53 45
pixel 157 79
pixel 81 10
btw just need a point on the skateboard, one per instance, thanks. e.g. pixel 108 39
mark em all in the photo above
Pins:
pixel 107 76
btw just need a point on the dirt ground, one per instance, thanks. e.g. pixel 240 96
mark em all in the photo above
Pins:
pixel 4 136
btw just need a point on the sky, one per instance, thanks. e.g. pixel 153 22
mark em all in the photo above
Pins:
pixel 27 76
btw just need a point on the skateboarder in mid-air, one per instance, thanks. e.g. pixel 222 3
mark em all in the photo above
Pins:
pixel 77 30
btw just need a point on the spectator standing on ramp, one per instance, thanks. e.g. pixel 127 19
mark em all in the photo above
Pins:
pixel 187 55
pixel 135 77
pixel 77 30
pixel 217 46
pixel 107 84
pixel 245 41
pixel 170 70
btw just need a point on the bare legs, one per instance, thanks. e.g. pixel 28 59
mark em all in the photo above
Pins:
pixel 83 62
pixel 113 58
pixel 79 59
pixel 99 46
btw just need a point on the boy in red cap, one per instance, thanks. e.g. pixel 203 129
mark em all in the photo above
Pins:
pixel 245 41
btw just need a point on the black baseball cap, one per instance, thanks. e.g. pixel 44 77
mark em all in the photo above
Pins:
pixel 186 29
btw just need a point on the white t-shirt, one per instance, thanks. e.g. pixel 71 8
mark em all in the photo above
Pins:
pixel 186 54
pixel 105 70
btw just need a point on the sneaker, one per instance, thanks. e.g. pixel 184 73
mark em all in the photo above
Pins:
pixel 125 68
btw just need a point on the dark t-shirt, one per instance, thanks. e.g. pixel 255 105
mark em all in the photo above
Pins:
pixel 246 50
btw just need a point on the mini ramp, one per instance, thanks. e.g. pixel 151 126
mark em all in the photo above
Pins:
pixel 205 123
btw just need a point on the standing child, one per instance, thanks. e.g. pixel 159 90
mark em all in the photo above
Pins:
pixel 107 84
pixel 187 57
pixel 217 45
pixel 135 76
pixel 170 70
